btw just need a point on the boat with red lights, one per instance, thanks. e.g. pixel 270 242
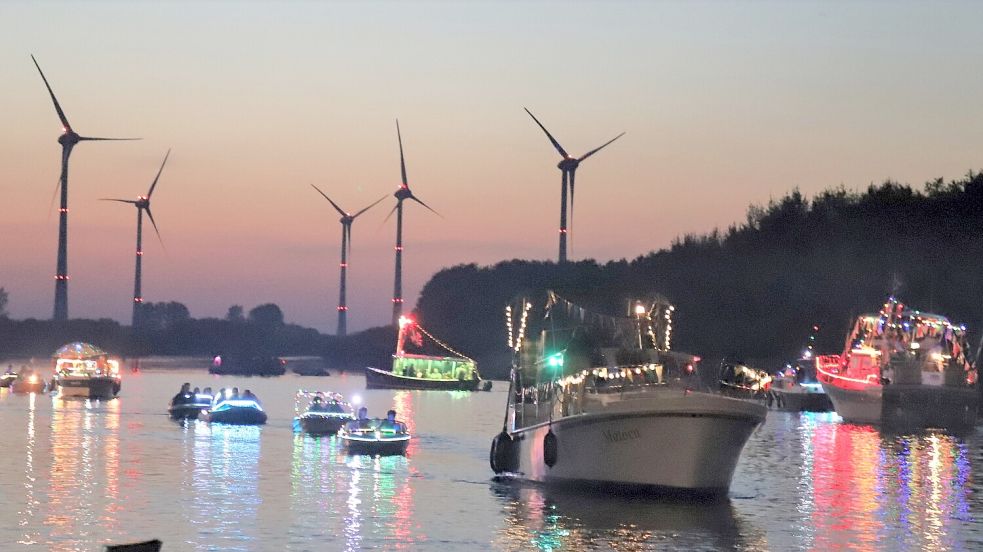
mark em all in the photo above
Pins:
pixel 903 367
pixel 85 371
pixel 630 417
pixel 425 372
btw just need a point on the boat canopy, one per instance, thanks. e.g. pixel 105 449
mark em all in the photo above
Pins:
pixel 79 350
pixel 434 367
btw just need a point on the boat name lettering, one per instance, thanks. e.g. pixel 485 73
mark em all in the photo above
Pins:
pixel 617 435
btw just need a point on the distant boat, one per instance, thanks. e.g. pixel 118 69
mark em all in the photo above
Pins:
pixel 425 372
pixel 320 412
pixel 905 368
pixel 620 422
pixel 86 371
pixel 28 381
pixel 797 389
pixel 244 365
pixel 741 381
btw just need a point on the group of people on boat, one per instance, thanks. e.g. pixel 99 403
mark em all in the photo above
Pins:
pixel 362 422
pixel 461 374
pixel 187 395
pixel 321 403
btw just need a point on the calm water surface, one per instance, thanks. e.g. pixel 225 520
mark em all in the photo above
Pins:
pixel 75 475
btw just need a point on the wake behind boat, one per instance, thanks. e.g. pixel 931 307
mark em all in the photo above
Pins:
pixel 616 418
pixel 85 371
pixel 905 368
pixel 414 371
pixel 320 412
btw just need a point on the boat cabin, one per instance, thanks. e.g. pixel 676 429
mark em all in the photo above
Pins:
pixel 433 367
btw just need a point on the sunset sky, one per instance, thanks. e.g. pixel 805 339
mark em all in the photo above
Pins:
pixel 724 105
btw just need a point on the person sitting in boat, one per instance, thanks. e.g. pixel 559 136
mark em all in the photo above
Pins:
pixel 249 395
pixel 391 424
pixel 363 421
pixel 184 395
pixel 410 371
pixel 317 403
pixel 235 393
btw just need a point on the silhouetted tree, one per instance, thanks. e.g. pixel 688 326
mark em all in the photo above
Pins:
pixel 235 314
pixel 268 314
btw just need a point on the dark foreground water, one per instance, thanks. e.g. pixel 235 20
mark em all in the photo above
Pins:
pixel 76 475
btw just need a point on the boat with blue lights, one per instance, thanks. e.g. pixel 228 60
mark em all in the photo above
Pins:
pixel 83 370
pixel 375 436
pixel 425 372
pixel 234 409
pixel 903 368
pixel 321 412
pixel 599 401
pixel 189 406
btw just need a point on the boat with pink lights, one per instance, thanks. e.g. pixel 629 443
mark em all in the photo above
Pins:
pixel 903 368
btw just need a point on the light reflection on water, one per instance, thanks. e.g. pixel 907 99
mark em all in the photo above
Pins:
pixel 77 474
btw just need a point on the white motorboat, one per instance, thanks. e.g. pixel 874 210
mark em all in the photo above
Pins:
pixel 641 425
pixel 320 412
pixel 85 371
pixel 903 368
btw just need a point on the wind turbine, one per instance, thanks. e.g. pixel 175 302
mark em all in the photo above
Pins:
pixel 142 203
pixel 68 139
pixel 402 194
pixel 346 244
pixel 568 165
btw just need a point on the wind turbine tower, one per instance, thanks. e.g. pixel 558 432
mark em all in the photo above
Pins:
pixel 402 194
pixel 68 139
pixel 568 166
pixel 346 244
pixel 142 203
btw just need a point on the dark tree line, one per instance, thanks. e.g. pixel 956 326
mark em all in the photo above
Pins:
pixel 755 290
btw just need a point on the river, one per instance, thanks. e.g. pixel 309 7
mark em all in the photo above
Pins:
pixel 75 475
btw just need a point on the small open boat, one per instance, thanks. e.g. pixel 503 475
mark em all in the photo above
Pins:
pixel 375 437
pixel 321 412
pixel 7 378
pixel 28 381
pixel 190 408
pixel 237 411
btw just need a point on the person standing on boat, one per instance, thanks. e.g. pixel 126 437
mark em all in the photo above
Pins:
pixel 183 395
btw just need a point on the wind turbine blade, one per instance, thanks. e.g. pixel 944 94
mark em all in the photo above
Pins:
pixel 154 185
pixel 402 161
pixel 416 199
pixel 61 114
pixel 151 216
pixel 339 209
pixel 556 144
pixel 51 208
pixel 385 220
pixel 370 206
pixel 119 200
pixel 595 150
pixel 90 138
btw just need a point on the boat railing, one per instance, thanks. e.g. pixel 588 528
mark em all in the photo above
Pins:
pixel 590 389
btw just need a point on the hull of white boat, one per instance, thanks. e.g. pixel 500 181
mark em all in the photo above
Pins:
pixel 99 387
pixel 687 442
pixel 910 406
